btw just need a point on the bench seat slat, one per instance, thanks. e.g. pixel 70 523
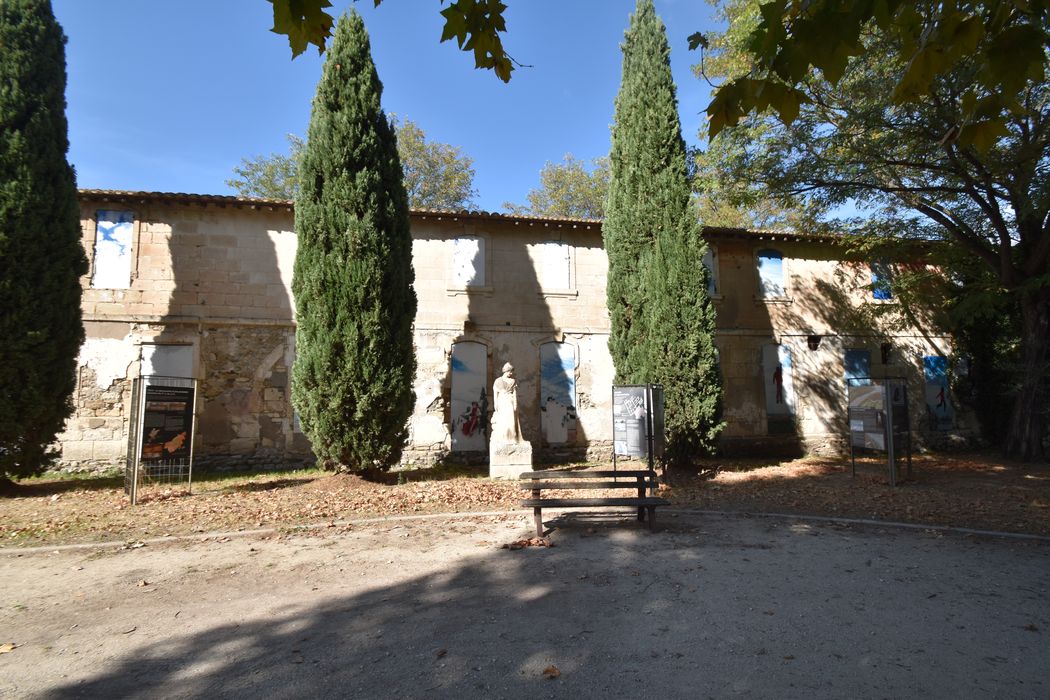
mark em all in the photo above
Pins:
pixel 586 502
pixel 546 486
pixel 596 474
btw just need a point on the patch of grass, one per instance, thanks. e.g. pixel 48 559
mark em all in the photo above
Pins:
pixel 255 475
pixel 52 483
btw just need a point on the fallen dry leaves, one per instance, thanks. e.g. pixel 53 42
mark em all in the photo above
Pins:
pixel 976 490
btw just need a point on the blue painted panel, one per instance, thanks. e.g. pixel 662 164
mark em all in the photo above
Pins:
pixel 558 393
pixel 858 367
pixel 935 369
pixel 880 280
pixel 939 410
pixel 112 260
pixel 771 273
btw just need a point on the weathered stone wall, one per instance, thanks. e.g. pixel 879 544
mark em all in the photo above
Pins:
pixel 245 403
pixel 216 277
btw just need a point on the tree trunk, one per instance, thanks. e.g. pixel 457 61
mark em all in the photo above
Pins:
pixel 1027 428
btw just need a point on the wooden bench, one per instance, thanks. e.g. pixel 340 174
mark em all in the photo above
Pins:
pixel 641 479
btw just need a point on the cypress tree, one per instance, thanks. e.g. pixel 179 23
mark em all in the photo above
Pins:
pixel 663 321
pixel 354 365
pixel 41 258
pixel 680 325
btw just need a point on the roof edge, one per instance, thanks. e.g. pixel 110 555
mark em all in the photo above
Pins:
pixel 131 196
pixel 222 200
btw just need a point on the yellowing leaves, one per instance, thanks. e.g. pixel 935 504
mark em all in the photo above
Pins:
pixel 303 22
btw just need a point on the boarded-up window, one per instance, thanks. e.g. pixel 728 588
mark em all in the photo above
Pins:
pixel 468 262
pixel 771 274
pixel 858 367
pixel 555 266
pixel 167 361
pixel 939 410
pixel 558 393
pixel 712 271
pixel 469 400
pixel 880 280
pixel 113 233
pixel 780 391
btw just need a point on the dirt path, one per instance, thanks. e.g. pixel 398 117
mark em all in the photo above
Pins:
pixel 710 606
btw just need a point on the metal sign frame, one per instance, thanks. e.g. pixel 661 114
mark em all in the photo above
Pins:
pixel 894 418
pixel 167 471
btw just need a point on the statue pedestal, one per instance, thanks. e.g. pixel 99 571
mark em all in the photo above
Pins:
pixel 509 459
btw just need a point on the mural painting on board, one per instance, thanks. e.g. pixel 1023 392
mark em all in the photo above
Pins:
pixel 558 393
pixel 939 408
pixel 469 401
pixel 776 372
pixel 112 260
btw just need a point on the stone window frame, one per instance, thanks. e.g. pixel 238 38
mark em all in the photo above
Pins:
pixel 136 247
pixel 451 287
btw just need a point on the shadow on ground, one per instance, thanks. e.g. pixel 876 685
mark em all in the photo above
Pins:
pixel 737 608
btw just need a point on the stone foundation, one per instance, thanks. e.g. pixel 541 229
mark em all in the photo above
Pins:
pixel 509 460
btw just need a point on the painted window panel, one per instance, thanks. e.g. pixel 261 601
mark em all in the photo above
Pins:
pixel 113 233
pixel 558 393
pixel 880 280
pixel 712 271
pixel 939 410
pixel 771 274
pixel 858 367
pixel 468 262
pixel 555 261
pixel 167 361
pixel 777 376
pixel 469 401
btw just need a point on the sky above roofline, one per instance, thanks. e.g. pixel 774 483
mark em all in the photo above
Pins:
pixel 169 96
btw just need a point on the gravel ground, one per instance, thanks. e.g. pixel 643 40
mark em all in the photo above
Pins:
pixel 709 606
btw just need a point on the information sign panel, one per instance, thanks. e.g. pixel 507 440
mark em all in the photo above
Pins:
pixel 629 418
pixel 167 423
pixel 867 417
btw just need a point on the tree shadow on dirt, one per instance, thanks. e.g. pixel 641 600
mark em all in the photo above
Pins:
pixel 506 623
pixel 270 485
pixel 36 489
pixel 693 610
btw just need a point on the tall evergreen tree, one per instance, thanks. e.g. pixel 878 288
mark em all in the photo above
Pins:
pixel 41 258
pixel 663 321
pixel 355 363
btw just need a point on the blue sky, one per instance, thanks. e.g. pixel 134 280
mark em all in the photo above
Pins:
pixel 169 95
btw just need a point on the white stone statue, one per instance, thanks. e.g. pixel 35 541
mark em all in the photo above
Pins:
pixel 509 453
pixel 505 425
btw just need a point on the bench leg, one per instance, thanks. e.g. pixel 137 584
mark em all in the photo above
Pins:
pixel 536 515
pixel 652 518
pixel 641 514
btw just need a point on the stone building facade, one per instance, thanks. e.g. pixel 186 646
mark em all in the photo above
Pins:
pixel 200 286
